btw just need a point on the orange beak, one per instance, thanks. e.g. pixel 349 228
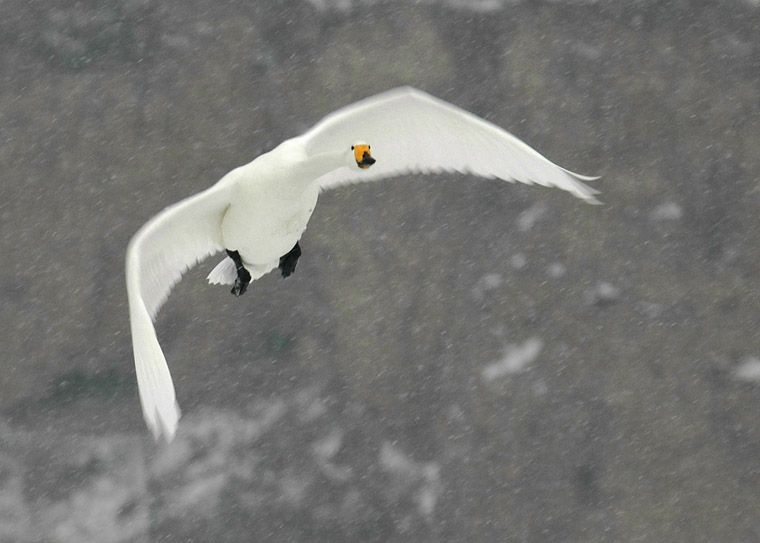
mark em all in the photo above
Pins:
pixel 363 156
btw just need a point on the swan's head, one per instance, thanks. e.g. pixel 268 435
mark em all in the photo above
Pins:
pixel 361 155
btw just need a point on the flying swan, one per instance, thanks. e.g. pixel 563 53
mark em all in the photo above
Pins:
pixel 257 212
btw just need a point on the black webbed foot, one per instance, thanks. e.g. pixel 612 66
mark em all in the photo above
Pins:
pixel 241 284
pixel 288 262
pixel 244 276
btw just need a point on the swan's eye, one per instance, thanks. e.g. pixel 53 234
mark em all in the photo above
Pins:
pixel 352 147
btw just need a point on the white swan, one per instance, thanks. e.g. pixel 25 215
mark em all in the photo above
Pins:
pixel 258 212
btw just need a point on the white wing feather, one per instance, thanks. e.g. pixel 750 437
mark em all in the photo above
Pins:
pixel 411 131
pixel 159 253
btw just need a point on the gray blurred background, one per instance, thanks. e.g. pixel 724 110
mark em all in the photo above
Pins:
pixel 455 359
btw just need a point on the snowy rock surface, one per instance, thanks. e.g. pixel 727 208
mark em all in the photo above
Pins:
pixel 378 395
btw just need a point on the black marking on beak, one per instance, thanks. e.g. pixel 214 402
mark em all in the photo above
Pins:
pixel 366 161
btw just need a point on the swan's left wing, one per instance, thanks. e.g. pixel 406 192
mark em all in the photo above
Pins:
pixel 159 253
pixel 410 131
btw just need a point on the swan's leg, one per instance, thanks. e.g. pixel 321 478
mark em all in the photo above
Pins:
pixel 288 262
pixel 243 278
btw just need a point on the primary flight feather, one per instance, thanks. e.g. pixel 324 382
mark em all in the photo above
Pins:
pixel 257 212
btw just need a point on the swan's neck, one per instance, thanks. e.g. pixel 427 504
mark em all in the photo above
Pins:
pixel 324 163
pixel 297 171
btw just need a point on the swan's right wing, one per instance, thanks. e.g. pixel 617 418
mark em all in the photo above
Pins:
pixel 159 253
pixel 411 131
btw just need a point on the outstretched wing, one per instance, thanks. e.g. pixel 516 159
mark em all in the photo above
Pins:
pixel 171 242
pixel 411 131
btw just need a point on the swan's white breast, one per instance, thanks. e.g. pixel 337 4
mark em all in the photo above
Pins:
pixel 269 210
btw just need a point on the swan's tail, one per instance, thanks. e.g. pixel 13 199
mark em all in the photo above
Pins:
pixel 225 274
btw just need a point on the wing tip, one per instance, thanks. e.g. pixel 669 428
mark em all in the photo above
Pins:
pixel 580 189
pixel 593 200
pixel 585 193
pixel 163 424
pixel 588 196
pixel 154 383
pixel 585 177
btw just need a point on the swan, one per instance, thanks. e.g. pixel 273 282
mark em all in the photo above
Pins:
pixel 257 212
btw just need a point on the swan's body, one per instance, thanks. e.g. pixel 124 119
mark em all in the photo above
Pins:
pixel 259 211
pixel 266 216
